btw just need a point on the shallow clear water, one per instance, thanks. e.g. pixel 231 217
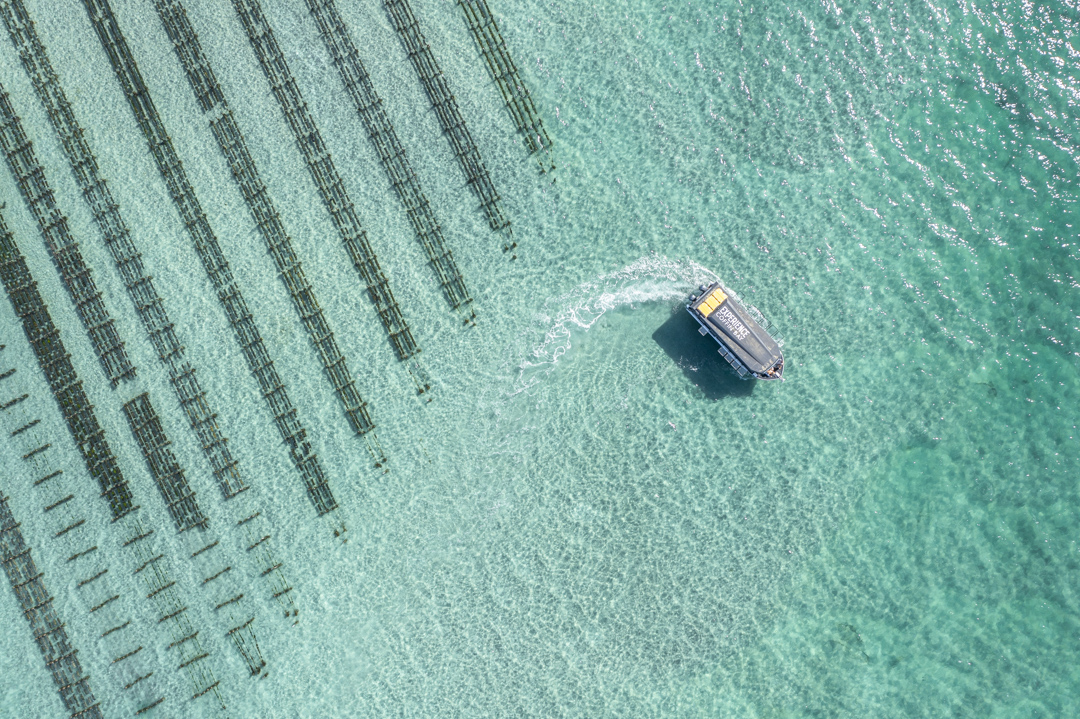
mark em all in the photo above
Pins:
pixel 591 518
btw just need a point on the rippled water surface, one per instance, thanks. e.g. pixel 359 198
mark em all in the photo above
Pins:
pixel 592 517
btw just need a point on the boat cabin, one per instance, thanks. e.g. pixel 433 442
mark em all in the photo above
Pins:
pixel 749 348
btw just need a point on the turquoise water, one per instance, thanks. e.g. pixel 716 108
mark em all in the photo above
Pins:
pixel 591 518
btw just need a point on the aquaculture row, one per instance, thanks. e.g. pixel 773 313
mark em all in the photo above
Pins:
pixel 37 604
pixel 446 109
pixel 89 437
pixel 489 40
pixel 56 365
pixel 53 225
pixel 180 501
pixel 209 250
pixel 72 538
pixel 139 283
pixel 170 479
pixel 208 93
pixel 369 105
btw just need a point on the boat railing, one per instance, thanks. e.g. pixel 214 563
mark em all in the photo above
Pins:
pixel 733 361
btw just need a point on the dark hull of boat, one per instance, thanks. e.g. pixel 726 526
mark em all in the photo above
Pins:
pixel 747 346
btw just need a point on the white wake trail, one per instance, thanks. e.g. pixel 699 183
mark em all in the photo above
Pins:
pixel 653 278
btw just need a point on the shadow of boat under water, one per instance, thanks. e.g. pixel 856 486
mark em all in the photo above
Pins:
pixel 698 358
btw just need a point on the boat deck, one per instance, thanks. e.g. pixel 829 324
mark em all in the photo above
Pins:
pixel 744 343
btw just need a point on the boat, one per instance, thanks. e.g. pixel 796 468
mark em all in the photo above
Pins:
pixel 742 332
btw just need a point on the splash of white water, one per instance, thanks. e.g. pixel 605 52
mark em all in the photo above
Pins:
pixel 653 278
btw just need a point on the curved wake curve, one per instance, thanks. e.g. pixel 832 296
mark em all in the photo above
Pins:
pixel 654 278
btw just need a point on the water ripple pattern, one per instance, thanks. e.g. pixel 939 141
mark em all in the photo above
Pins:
pixel 596 517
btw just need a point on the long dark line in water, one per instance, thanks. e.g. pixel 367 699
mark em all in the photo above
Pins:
pixel 489 41
pixel 89 438
pixel 354 76
pixel 56 647
pixel 208 248
pixel 204 84
pixel 447 111
pixel 148 303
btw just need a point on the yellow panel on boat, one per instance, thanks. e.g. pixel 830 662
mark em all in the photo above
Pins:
pixel 705 309
pixel 718 296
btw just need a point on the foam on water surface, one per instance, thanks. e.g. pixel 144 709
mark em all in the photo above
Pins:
pixel 593 516
pixel 648 280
